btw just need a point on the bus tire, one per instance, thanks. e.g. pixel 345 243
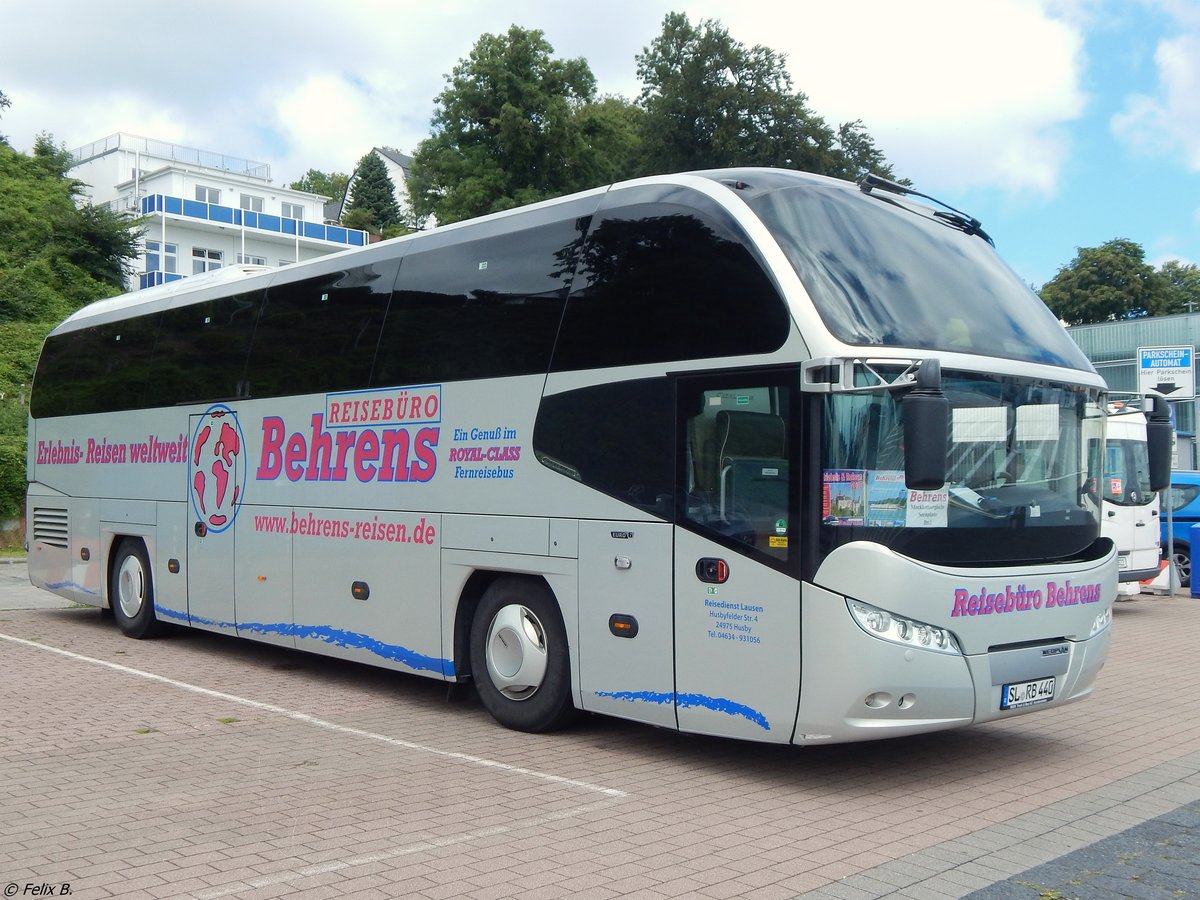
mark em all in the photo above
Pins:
pixel 519 656
pixel 131 590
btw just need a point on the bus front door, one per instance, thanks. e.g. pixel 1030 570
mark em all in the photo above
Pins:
pixel 737 599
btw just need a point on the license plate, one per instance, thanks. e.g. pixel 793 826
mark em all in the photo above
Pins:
pixel 1026 693
pixel 1122 562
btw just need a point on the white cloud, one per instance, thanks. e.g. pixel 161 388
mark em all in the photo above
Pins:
pixel 1168 122
pixel 956 94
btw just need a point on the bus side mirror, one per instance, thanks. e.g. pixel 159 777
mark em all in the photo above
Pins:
pixel 1158 441
pixel 926 413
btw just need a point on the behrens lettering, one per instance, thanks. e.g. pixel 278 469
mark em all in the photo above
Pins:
pixel 1022 599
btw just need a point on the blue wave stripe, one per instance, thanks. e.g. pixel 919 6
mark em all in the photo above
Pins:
pixel 329 635
pixel 59 585
pixel 717 704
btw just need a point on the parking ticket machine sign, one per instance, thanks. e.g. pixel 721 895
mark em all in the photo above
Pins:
pixel 1168 370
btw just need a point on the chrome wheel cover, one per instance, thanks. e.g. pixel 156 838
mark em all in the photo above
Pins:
pixel 516 652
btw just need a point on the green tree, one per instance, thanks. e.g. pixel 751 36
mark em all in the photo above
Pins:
pixel 856 154
pixel 1183 286
pixel 327 184
pixel 1101 284
pixel 372 193
pixel 710 101
pixel 5 103
pixel 513 126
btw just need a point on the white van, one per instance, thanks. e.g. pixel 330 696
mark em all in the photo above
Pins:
pixel 1131 509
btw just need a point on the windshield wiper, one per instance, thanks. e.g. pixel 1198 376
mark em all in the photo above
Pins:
pixel 954 217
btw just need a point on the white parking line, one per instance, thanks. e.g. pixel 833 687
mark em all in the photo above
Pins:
pixel 321 723
pixel 338 865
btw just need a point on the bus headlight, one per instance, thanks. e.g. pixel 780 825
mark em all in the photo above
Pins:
pixel 903 631
pixel 1102 621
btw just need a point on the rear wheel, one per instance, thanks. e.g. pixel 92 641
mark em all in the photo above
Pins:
pixel 131 591
pixel 519 656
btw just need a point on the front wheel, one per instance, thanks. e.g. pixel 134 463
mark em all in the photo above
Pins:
pixel 131 591
pixel 519 656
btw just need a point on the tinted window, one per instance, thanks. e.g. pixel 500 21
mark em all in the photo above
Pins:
pixel 659 282
pixel 617 438
pixel 483 308
pixel 100 369
pixel 320 334
pixel 201 352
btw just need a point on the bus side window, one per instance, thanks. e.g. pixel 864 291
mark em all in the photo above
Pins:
pixel 616 438
pixel 201 350
pixel 485 307
pixel 104 368
pixel 658 283
pixel 332 322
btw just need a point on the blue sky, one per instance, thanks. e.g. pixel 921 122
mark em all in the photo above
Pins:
pixel 1057 123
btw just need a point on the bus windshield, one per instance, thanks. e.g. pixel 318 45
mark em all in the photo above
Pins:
pixel 1019 475
pixel 882 271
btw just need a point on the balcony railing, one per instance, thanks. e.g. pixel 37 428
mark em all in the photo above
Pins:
pixel 165 150
pixel 245 218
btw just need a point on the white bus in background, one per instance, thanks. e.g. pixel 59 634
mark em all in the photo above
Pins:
pixel 1131 508
pixel 748 453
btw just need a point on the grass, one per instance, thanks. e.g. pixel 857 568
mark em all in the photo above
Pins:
pixel 12 542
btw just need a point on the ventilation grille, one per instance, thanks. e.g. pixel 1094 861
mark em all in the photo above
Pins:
pixel 51 526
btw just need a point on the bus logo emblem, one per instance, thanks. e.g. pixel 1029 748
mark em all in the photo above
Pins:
pixel 216 477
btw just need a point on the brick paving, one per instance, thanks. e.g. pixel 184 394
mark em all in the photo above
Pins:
pixel 202 766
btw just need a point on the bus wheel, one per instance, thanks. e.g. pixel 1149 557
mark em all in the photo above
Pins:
pixel 131 591
pixel 519 656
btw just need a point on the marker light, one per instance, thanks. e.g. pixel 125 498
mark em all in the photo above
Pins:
pixel 903 631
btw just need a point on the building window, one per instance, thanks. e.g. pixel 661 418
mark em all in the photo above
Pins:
pixel 293 211
pixel 205 260
pixel 247 259
pixel 252 203
pixel 208 194
pixel 162 257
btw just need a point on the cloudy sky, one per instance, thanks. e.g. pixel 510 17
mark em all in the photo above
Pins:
pixel 1057 123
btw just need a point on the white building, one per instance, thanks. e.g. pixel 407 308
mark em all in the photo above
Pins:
pixel 205 210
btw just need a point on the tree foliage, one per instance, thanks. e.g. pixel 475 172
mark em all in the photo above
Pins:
pixel 710 101
pixel 5 103
pixel 1183 286
pixel 372 197
pixel 327 184
pixel 513 126
pixel 1101 284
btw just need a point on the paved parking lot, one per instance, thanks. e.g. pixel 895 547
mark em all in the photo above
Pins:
pixel 201 766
